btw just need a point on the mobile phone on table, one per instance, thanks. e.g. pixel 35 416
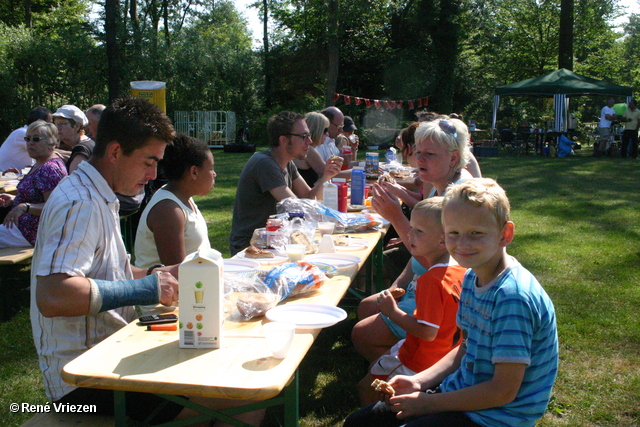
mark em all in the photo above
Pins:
pixel 158 318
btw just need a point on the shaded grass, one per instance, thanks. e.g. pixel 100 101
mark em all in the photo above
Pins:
pixel 577 229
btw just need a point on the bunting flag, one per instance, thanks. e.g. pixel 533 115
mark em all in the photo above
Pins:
pixel 389 105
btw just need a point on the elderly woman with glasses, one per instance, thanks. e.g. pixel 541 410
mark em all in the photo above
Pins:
pixel 21 223
pixel 71 121
pixel 442 152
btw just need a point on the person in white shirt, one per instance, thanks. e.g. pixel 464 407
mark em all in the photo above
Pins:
pixel 336 123
pixel 607 116
pixel 13 151
pixel 83 286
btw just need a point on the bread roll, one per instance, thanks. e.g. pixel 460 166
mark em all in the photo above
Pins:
pixel 383 387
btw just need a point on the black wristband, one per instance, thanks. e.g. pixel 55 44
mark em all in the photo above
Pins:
pixel 153 267
pixel 28 205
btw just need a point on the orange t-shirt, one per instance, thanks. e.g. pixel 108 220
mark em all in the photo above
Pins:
pixel 437 295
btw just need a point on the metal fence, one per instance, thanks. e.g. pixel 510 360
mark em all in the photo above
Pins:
pixel 216 128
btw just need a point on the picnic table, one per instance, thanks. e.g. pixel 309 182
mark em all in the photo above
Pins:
pixel 134 359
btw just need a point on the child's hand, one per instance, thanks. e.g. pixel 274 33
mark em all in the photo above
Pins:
pixel 386 303
pixel 410 405
pixel 404 384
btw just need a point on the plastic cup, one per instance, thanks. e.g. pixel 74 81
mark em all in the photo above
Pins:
pixel 279 337
pixel 326 227
pixel 295 252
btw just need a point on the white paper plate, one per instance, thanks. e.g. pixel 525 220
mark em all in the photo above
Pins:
pixel 278 258
pixel 337 260
pixel 354 245
pixel 240 265
pixel 307 316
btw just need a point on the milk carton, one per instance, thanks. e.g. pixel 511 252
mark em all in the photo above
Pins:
pixel 201 299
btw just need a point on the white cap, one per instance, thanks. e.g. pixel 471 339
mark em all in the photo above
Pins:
pixel 72 112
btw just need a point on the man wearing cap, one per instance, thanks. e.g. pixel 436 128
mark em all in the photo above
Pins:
pixel 348 138
pixel 13 152
pixel 70 121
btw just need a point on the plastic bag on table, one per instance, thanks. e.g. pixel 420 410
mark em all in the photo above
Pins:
pixel 295 278
pixel 350 222
pixel 256 292
pixel 249 293
pixel 259 238
pixel 308 206
pixel 300 230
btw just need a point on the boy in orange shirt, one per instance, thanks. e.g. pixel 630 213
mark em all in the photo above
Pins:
pixel 432 331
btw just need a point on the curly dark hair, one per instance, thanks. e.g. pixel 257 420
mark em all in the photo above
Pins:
pixel 132 122
pixel 185 152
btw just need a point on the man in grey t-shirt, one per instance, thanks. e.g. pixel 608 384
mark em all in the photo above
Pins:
pixel 270 176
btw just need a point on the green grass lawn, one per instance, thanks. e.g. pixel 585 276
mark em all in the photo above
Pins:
pixel 577 229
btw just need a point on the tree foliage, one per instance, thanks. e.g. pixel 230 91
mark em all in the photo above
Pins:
pixel 454 51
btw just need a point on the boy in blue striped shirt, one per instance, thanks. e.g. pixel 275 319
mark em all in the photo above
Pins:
pixel 503 373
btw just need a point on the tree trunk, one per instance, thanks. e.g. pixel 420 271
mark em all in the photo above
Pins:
pixel 113 62
pixel 267 59
pixel 446 35
pixel 165 17
pixel 334 52
pixel 27 13
pixel 565 40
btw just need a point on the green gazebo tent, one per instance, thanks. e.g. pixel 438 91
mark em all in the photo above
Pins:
pixel 559 84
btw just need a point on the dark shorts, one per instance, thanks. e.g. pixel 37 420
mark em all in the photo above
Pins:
pixel 380 415
pixel 139 405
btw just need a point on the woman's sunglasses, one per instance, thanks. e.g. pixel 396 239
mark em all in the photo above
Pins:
pixel 34 139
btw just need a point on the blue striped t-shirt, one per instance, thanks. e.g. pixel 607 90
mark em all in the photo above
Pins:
pixel 510 320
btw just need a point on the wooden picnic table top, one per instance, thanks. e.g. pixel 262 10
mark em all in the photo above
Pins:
pixel 134 359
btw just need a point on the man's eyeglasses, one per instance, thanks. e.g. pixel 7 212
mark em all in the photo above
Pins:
pixel 304 136
pixel 338 126
pixel 34 139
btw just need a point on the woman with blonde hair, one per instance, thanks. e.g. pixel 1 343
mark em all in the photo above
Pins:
pixel 312 167
pixel 442 152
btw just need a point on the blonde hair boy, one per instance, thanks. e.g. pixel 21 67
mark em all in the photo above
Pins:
pixel 431 330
